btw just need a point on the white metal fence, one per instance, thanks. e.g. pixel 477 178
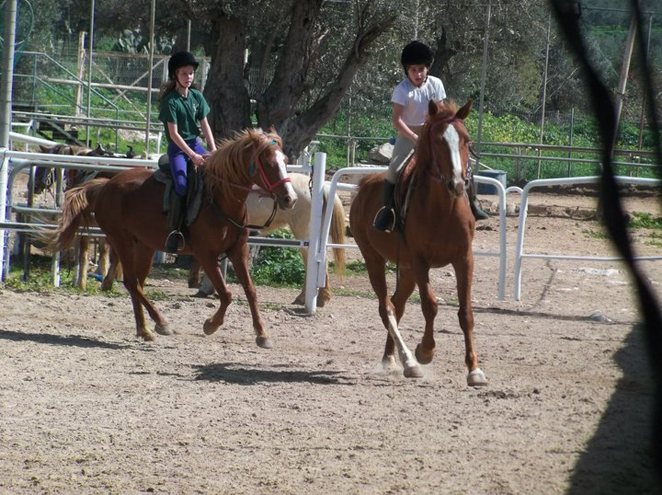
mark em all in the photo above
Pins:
pixel 13 162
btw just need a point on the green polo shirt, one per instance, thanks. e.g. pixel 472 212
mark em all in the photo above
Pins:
pixel 185 112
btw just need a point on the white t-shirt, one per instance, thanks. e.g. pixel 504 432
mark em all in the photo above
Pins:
pixel 416 100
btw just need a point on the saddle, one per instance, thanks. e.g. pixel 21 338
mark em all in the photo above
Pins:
pixel 195 188
pixel 404 188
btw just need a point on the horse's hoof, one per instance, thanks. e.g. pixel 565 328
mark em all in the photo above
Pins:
pixel 202 294
pixel 264 342
pixel 299 301
pixel 147 336
pixel 163 329
pixel 414 371
pixel 209 327
pixel 476 378
pixel 423 357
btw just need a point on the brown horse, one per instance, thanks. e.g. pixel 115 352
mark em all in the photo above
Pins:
pixel 129 210
pixel 437 229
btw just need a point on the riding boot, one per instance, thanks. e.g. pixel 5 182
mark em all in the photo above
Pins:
pixel 385 218
pixel 476 209
pixel 175 241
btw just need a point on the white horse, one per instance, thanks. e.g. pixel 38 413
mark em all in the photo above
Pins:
pixel 260 208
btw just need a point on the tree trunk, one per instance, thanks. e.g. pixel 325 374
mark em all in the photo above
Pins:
pixel 281 96
pixel 225 90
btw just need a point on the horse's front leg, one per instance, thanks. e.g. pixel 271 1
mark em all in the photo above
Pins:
pixel 390 316
pixel 464 276
pixel 425 350
pixel 239 257
pixel 403 290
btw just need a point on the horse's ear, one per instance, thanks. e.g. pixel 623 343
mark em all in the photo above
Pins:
pixel 463 112
pixel 432 108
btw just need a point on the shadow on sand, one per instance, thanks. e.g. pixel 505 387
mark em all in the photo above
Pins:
pixel 619 457
pixel 63 340
pixel 239 374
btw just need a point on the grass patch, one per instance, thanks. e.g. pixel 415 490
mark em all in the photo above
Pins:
pixel 40 279
pixel 655 239
pixel 595 234
pixel 641 220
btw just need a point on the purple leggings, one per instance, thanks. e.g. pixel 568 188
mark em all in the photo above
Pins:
pixel 178 161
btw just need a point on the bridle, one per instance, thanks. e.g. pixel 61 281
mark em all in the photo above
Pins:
pixel 256 166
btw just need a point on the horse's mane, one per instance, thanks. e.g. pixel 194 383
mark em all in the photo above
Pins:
pixel 231 162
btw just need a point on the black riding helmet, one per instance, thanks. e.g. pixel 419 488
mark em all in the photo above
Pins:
pixel 180 59
pixel 416 53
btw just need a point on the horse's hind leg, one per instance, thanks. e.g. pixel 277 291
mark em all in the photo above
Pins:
pixel 212 270
pixel 136 263
pixel 83 260
pixel 143 264
pixel 114 269
pixel 464 276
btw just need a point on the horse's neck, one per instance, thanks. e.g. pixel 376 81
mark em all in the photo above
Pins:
pixel 231 199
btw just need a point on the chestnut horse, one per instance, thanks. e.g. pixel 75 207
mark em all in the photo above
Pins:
pixel 437 229
pixel 129 210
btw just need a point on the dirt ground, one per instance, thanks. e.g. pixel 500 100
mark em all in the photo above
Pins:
pixel 87 408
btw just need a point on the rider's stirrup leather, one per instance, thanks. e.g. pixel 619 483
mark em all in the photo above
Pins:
pixel 385 220
pixel 175 242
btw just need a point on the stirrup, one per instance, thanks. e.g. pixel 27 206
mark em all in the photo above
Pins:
pixel 385 220
pixel 175 242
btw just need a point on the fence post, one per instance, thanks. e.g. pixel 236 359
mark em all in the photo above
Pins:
pixel 313 265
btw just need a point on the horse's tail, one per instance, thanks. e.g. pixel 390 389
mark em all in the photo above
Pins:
pixel 77 211
pixel 337 232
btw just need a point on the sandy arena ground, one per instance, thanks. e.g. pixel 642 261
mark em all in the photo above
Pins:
pixel 87 408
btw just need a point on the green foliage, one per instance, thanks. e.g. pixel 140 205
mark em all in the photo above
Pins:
pixel 40 279
pixel 655 239
pixel 595 234
pixel 278 267
pixel 643 220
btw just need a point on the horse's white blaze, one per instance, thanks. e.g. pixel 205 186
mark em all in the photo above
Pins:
pixel 282 172
pixel 453 139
